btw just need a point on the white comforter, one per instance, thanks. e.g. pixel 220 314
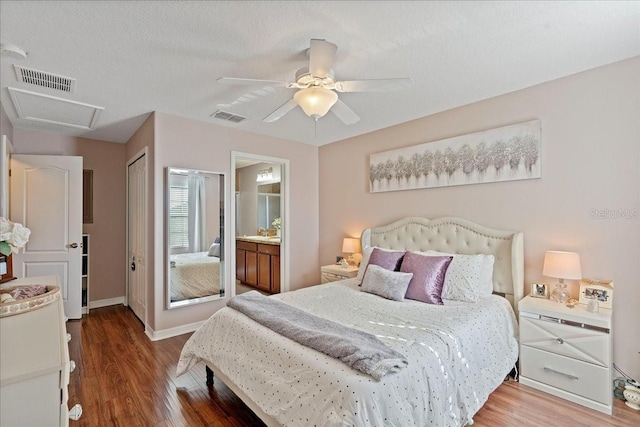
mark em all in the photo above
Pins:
pixel 194 275
pixel 458 354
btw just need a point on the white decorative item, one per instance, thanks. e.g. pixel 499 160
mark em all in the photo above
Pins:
pixel 13 236
pixel 632 394
pixel 593 306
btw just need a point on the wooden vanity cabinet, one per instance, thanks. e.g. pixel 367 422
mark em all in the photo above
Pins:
pixel 258 265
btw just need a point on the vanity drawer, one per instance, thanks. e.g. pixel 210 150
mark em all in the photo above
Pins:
pixel 581 378
pixel 247 246
pixel 269 249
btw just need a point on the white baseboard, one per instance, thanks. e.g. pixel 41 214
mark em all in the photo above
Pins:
pixel 171 332
pixel 106 302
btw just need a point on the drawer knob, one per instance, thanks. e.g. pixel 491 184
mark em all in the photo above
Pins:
pixel 72 366
pixel 76 412
pixel 559 340
pixel 68 337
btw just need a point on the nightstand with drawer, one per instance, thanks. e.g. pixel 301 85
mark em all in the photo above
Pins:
pixel 566 352
pixel 333 272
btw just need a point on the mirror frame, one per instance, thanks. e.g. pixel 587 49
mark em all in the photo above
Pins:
pixel 224 245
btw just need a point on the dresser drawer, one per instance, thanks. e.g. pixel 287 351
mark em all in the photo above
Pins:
pixel 330 277
pixel 584 379
pixel 579 343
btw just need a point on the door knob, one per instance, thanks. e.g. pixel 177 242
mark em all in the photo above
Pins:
pixel 73 245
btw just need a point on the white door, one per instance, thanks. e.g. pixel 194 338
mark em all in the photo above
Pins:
pixel 46 197
pixel 136 230
pixel 5 157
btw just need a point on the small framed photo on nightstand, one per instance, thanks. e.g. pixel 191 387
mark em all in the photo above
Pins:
pixel 540 290
pixel 598 290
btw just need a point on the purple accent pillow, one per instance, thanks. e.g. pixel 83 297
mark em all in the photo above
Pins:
pixel 428 276
pixel 385 259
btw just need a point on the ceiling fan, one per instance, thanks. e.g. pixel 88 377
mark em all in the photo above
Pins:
pixel 317 86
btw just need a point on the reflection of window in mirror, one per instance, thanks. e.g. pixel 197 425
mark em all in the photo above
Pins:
pixel 178 214
pixel 268 204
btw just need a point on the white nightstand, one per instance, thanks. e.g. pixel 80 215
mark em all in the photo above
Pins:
pixel 567 352
pixel 333 272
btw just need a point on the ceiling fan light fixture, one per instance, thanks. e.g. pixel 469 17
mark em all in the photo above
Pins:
pixel 315 101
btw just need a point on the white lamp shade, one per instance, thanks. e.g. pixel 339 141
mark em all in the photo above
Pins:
pixel 350 245
pixel 315 101
pixel 562 265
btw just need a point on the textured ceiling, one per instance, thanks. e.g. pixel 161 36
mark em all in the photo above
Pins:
pixel 140 56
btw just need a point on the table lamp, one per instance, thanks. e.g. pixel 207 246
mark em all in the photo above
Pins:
pixel 351 246
pixel 561 265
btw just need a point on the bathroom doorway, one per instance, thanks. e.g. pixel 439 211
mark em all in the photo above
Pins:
pixel 259 216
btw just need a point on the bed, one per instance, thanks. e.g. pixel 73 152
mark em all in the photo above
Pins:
pixel 194 275
pixel 458 352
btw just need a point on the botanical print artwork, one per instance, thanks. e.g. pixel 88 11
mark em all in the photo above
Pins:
pixel 502 154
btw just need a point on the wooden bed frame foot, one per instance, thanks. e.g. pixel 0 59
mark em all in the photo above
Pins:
pixel 209 376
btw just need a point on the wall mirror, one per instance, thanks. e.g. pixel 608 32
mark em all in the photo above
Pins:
pixel 194 236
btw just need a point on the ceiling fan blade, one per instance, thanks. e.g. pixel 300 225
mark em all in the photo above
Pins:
pixel 344 113
pixel 321 56
pixel 281 111
pixel 240 81
pixel 374 85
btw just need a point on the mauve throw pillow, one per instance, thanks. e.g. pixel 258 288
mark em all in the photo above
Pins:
pixel 386 259
pixel 385 283
pixel 428 276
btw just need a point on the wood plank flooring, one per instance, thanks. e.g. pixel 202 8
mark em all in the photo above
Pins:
pixel 124 379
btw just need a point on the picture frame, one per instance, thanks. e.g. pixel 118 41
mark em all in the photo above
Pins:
pixel 600 290
pixel 540 290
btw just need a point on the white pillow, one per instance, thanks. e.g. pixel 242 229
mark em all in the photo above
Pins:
pixel 214 250
pixel 366 254
pixel 468 278
pixel 386 283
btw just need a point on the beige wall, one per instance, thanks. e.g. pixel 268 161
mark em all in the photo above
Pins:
pixel 590 160
pixel 6 128
pixel 107 232
pixel 187 143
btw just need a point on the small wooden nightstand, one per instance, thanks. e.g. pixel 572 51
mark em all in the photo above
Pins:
pixel 566 352
pixel 333 272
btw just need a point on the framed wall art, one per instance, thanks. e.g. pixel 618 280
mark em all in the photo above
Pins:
pixel 502 154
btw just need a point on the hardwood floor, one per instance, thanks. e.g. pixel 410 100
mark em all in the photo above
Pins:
pixel 124 379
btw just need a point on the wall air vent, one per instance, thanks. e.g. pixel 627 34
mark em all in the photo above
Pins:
pixel 229 117
pixel 43 79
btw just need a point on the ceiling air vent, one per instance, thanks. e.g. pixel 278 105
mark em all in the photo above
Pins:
pixel 230 117
pixel 40 78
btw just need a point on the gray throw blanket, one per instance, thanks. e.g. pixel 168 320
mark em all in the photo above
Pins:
pixel 358 349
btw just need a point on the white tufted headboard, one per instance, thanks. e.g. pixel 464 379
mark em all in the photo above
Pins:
pixel 460 236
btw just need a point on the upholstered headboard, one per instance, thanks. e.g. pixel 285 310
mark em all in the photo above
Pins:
pixel 460 236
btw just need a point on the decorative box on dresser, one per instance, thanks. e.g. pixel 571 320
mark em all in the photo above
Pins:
pixel 333 272
pixel 567 351
pixel 34 359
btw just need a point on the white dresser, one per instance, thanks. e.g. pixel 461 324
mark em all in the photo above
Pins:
pixel 567 352
pixel 34 359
